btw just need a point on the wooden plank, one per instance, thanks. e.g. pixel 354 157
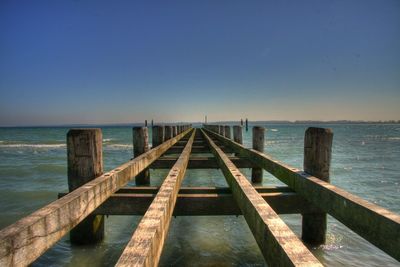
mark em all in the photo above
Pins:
pixel 378 225
pixel 195 149
pixel 202 203
pixel 200 190
pixel 24 241
pixel 145 246
pixel 278 244
pixel 199 163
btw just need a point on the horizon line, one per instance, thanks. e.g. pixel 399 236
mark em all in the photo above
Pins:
pixel 202 122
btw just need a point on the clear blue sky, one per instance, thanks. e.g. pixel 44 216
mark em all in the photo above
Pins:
pixel 126 61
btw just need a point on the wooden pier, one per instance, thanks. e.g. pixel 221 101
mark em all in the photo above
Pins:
pixel 94 194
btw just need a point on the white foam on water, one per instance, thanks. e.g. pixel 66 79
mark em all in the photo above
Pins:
pixel 394 138
pixel 33 145
pixel 274 130
pixel 119 146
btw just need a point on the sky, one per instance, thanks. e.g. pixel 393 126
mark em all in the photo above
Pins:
pixel 93 62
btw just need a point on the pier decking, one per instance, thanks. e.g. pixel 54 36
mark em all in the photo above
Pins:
pixel 94 194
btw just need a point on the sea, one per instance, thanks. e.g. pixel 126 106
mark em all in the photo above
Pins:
pixel 365 162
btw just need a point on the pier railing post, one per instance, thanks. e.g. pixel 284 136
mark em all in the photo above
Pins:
pixel 238 134
pixel 228 132
pixel 247 125
pixel 158 135
pixel 258 144
pixel 174 131
pixel 140 146
pixel 222 130
pixel 168 132
pixel 317 159
pixel 85 162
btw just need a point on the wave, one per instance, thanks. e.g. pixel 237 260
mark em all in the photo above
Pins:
pixel 119 146
pixel 50 146
pixel 106 140
pixel 33 145
pixel 394 138
pixel 273 130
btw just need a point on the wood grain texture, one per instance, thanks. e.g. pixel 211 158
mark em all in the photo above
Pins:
pixel 228 132
pixel 278 244
pixel 317 161
pixel 238 134
pixel 146 244
pixel 85 162
pixel 158 135
pixel 376 224
pixel 201 202
pixel 24 241
pixel 168 132
pixel 258 144
pixel 199 162
pixel 140 137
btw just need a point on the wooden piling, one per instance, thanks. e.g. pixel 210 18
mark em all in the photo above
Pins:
pixel 168 132
pixel 85 163
pixel 317 159
pixel 258 144
pixel 238 134
pixel 174 131
pixel 228 132
pixel 145 123
pixel 158 135
pixel 140 146
pixel 247 125
pixel 152 124
pixel 222 130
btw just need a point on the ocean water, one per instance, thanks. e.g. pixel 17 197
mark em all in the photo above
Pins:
pixel 365 162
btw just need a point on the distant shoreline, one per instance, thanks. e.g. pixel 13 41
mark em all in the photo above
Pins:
pixel 216 122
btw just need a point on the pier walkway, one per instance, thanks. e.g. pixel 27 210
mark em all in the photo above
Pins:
pixel 95 193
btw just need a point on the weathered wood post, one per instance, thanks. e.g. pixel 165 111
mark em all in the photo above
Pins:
pixel 152 124
pixel 174 130
pixel 140 146
pixel 258 144
pixel 168 132
pixel 247 125
pixel 222 130
pixel 158 135
pixel 238 134
pixel 317 160
pixel 228 132
pixel 85 162
pixel 145 123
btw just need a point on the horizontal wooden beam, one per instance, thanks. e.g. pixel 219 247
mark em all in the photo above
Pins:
pixel 199 163
pixel 202 201
pixel 195 149
pixel 378 225
pixel 200 190
pixel 24 241
pixel 278 244
pixel 146 244
pixel 201 204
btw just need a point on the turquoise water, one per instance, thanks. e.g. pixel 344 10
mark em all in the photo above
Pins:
pixel 365 162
